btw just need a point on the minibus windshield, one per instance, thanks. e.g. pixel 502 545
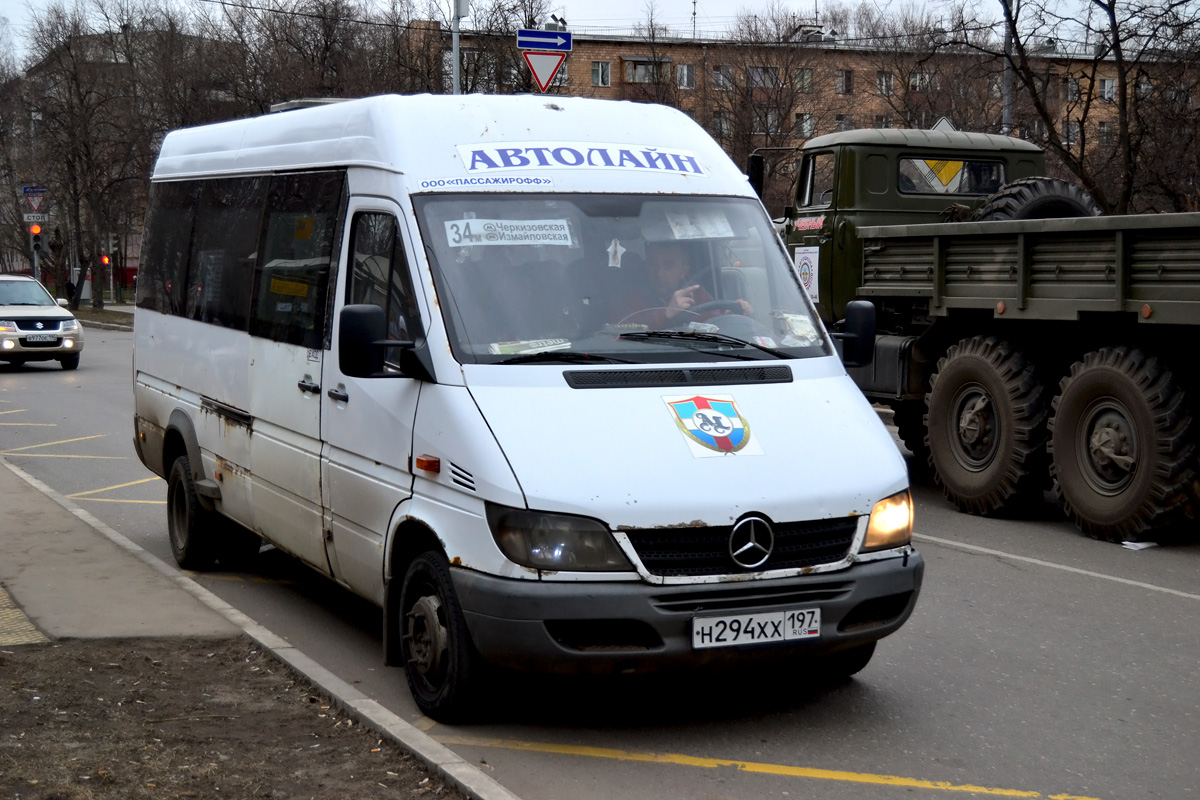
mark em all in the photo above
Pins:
pixel 615 278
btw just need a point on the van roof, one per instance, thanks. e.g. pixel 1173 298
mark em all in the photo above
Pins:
pixel 470 143
pixel 909 137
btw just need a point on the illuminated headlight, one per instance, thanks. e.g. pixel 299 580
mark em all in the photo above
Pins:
pixel 891 523
pixel 8 326
pixel 68 343
pixel 69 325
pixel 542 540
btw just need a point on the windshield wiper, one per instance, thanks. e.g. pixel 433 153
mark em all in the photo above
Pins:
pixel 685 337
pixel 563 357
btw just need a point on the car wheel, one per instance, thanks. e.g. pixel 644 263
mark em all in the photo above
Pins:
pixel 844 663
pixel 440 661
pixel 189 524
pixel 70 362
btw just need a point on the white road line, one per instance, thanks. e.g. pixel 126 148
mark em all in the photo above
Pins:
pixel 1052 565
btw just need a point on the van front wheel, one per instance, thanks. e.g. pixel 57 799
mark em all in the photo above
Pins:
pixel 440 661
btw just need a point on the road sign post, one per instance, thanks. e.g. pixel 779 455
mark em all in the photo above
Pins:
pixel 544 52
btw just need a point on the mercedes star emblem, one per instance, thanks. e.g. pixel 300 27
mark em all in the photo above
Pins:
pixel 751 542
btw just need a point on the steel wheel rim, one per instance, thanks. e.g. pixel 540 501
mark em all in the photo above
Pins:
pixel 428 640
pixel 972 427
pixel 1107 447
pixel 178 518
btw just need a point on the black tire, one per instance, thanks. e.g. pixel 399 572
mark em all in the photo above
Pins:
pixel 191 527
pixel 1038 198
pixel 70 362
pixel 440 661
pixel 909 418
pixel 986 427
pixel 1121 444
pixel 236 546
pixel 844 663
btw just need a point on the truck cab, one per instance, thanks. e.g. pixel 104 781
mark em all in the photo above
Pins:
pixel 853 179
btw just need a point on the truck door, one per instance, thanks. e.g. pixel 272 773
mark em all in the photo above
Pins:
pixel 814 226
pixel 287 326
pixel 367 423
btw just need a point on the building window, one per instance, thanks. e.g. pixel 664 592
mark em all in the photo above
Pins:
pixel 885 84
pixel 601 73
pixel 803 126
pixel 1036 131
pixel 883 121
pixel 1070 90
pixel 642 71
pixel 843 81
pixel 685 76
pixel 1144 89
pixel 802 80
pixel 763 77
pixel 920 81
pixel 1070 132
pixel 1108 89
pixel 1106 132
pixel 844 122
pixel 722 77
pixel 766 120
pixel 722 124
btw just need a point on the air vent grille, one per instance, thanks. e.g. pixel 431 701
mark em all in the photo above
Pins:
pixel 461 477
pixel 676 376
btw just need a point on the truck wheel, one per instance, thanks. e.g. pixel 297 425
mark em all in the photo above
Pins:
pixel 986 427
pixel 1038 198
pixel 909 418
pixel 189 524
pixel 1121 445
pixel 440 661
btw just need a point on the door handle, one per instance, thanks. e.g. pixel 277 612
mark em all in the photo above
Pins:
pixel 308 386
pixel 339 395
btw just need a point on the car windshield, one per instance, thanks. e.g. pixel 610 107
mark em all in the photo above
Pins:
pixel 615 279
pixel 24 293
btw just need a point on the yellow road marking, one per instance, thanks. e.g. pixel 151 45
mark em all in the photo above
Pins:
pixel 51 455
pixel 51 444
pixel 29 424
pixel 114 500
pixel 745 766
pixel 110 488
pixel 15 411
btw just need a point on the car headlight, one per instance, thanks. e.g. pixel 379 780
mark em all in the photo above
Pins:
pixel 69 325
pixel 8 326
pixel 542 540
pixel 891 523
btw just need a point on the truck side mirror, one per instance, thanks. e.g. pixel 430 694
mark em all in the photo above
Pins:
pixel 755 169
pixel 361 326
pixel 858 334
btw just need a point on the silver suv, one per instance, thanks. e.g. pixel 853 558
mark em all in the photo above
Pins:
pixel 33 327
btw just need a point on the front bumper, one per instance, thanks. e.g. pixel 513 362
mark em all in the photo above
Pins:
pixel 18 346
pixel 605 628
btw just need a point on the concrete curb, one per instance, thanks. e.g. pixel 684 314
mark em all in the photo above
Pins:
pixel 450 766
pixel 106 326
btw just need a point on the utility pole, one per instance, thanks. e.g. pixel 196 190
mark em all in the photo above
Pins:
pixel 461 9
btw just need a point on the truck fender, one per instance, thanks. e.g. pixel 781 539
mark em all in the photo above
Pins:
pixel 206 490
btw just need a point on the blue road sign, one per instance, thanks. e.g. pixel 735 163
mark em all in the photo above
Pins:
pixel 543 40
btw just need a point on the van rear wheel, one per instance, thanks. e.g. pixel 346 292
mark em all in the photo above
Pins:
pixel 190 525
pixel 440 661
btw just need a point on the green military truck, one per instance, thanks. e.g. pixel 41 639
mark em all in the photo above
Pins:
pixel 1025 343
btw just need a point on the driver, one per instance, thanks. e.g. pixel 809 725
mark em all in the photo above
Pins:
pixel 668 291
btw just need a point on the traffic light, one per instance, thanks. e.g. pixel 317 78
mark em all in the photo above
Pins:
pixel 35 237
pixel 105 260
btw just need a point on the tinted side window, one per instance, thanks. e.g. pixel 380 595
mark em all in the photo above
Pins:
pixel 300 231
pixel 170 215
pixel 379 275
pixel 949 176
pixel 224 243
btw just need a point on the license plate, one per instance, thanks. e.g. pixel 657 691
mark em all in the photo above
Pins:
pixel 743 629
pixel 40 337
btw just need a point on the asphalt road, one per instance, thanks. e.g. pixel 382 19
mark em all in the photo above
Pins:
pixel 1038 663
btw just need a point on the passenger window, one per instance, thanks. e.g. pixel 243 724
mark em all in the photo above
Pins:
pixel 379 275
pixel 228 217
pixel 170 215
pixel 299 233
pixel 816 180
pixel 949 176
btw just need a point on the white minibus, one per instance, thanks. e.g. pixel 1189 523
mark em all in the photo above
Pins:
pixel 534 375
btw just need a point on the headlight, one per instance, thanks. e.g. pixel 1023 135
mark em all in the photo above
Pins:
pixel 8 326
pixel 891 523
pixel 542 540
pixel 69 325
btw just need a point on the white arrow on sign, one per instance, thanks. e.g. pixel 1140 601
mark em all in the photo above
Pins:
pixel 543 66
pixel 544 40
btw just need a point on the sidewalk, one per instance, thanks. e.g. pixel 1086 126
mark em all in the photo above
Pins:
pixel 65 575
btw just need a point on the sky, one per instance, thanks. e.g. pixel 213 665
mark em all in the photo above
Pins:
pixel 711 16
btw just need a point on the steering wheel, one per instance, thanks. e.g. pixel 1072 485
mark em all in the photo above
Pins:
pixel 732 306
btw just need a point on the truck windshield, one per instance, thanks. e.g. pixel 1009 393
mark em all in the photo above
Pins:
pixel 520 274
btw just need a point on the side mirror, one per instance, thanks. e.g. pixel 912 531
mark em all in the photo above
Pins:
pixel 755 169
pixel 858 334
pixel 360 328
pixel 64 302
